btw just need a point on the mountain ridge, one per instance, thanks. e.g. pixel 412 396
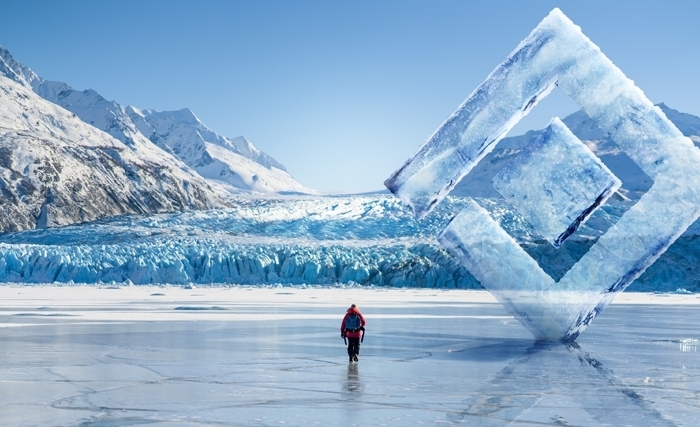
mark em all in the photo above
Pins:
pixel 57 170
pixel 236 169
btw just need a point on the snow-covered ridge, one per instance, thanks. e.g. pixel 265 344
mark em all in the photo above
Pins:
pixel 174 137
pixel 95 110
pixel 226 163
pixel 57 170
pixel 162 123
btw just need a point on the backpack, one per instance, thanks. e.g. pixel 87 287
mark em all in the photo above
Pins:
pixel 353 323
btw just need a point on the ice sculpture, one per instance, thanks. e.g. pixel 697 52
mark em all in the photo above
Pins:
pixel 565 178
pixel 557 53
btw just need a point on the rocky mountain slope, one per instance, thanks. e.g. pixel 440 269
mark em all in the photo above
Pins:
pixel 57 170
pixel 229 165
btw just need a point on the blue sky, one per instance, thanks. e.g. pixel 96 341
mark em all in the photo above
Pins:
pixel 342 93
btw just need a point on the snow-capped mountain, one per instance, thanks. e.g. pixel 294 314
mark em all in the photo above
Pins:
pixel 229 165
pixel 634 182
pixel 57 170
pixel 226 163
pixel 688 124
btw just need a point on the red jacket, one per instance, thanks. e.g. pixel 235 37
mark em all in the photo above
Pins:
pixel 350 334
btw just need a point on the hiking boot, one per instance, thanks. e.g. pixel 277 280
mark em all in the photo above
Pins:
pixel 355 358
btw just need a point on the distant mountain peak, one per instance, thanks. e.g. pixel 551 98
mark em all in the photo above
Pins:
pixel 14 70
pixel 178 133
pixel 55 169
pixel 688 124
pixel 184 115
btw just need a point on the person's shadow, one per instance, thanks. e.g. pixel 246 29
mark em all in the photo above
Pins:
pixel 353 383
pixel 558 384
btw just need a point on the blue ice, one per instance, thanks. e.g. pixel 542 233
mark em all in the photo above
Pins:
pixel 557 53
pixel 565 178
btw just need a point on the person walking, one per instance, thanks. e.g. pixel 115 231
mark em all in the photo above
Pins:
pixel 353 328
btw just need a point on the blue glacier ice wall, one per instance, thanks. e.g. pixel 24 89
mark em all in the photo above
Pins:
pixel 363 240
pixel 187 261
pixel 360 240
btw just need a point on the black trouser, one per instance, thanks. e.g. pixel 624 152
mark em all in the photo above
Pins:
pixel 353 346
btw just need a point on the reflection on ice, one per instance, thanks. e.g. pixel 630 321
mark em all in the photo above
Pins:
pixel 559 384
pixel 353 382
pixel 126 358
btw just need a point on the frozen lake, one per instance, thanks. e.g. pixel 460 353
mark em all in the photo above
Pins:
pixel 149 356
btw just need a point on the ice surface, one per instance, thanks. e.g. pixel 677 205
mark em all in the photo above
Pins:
pixel 556 52
pixel 463 363
pixel 556 183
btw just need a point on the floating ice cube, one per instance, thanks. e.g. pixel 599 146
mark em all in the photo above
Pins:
pixel 556 183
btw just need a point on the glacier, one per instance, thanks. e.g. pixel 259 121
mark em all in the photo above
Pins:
pixel 557 53
pixel 305 241
pixel 365 241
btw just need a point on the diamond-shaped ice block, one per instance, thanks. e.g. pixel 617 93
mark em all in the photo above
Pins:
pixel 557 53
pixel 556 183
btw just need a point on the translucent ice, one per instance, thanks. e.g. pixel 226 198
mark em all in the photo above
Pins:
pixel 556 52
pixel 556 183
